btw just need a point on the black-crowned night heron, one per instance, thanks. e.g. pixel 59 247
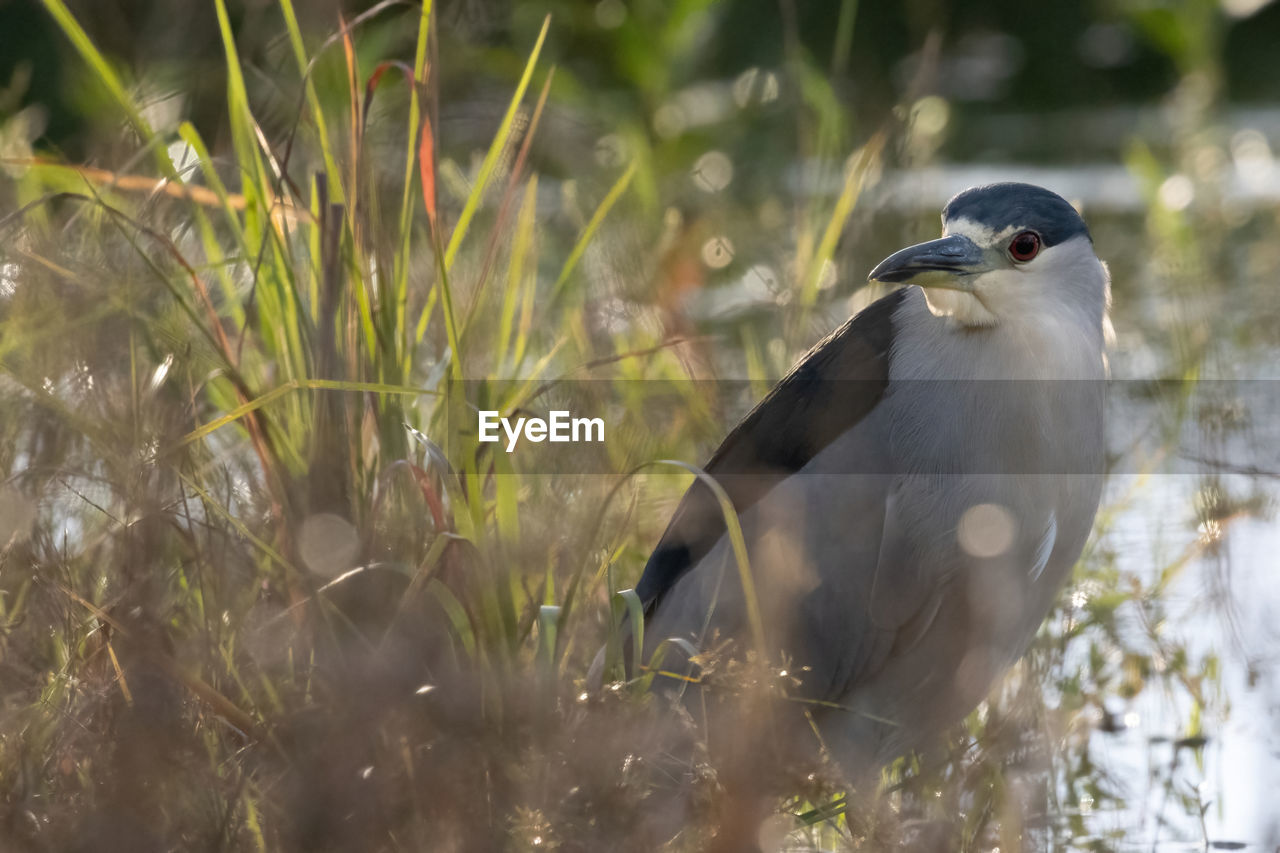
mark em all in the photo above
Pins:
pixel 916 491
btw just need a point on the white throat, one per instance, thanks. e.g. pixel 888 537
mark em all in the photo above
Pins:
pixel 965 309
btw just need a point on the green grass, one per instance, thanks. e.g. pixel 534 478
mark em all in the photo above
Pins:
pixel 202 361
pixel 295 337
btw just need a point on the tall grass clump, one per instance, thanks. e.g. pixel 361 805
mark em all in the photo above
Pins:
pixel 261 586
pixel 261 591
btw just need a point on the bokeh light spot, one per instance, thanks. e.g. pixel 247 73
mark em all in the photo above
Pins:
pixel 986 530
pixel 328 544
pixel 713 171
pixel 717 252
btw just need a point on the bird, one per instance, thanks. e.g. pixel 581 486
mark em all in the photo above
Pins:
pixel 914 493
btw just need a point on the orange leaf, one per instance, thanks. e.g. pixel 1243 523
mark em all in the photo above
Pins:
pixel 432 497
pixel 376 77
pixel 353 73
pixel 427 170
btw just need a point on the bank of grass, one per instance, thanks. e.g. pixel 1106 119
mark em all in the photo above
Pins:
pixel 263 589
pixel 269 593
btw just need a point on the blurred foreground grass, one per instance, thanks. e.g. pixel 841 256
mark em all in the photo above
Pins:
pixel 260 588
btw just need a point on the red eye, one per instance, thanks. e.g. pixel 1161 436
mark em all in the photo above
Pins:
pixel 1025 246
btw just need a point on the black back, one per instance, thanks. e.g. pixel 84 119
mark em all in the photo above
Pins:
pixel 830 390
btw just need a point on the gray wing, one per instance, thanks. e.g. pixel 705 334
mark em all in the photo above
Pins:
pixel 840 584
pixel 830 391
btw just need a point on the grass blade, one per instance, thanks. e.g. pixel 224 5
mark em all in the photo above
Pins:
pixel 499 144
pixel 102 69
pixel 588 233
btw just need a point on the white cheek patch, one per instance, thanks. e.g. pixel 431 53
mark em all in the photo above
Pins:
pixel 979 233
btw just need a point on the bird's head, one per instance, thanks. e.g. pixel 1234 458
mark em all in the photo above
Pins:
pixel 1006 249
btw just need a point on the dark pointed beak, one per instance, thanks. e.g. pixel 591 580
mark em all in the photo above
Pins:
pixel 947 262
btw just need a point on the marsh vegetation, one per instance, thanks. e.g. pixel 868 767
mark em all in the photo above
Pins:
pixel 261 264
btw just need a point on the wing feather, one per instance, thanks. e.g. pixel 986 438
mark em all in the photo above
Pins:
pixel 837 384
